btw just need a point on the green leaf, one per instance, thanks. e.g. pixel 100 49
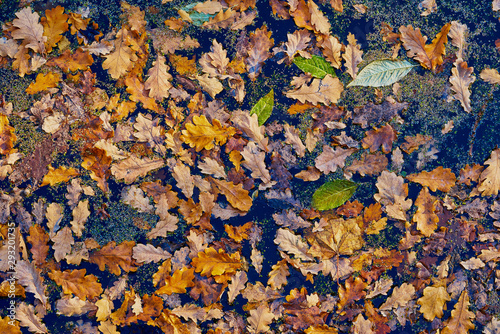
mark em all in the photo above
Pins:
pixel 333 194
pixel 317 66
pixel 382 73
pixel 264 107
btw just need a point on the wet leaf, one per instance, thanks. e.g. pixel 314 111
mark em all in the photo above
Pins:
pixel 382 73
pixel 264 107
pixel 317 66
pixel 333 194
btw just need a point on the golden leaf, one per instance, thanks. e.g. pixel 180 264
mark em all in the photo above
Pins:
pixel 7 136
pixel 137 92
pixel 77 283
pixel 114 257
pixel 235 194
pixel 54 24
pixel 439 178
pixel 159 79
pixel 260 319
pixel 212 263
pixel 429 55
pixel 318 19
pixel 120 61
pixel 61 174
pixel 433 301
pixel 460 321
pixel 177 283
pixel 43 82
pixel 201 134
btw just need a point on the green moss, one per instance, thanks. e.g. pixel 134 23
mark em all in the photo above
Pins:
pixel 28 134
pixel 13 88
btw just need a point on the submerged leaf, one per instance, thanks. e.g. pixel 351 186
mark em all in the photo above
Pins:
pixel 317 66
pixel 264 107
pixel 382 73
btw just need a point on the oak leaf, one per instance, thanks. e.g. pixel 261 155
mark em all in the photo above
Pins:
pixel 278 275
pixel 261 42
pixel 148 253
pixel 460 320
pixel 439 178
pixel 29 30
pixel 80 214
pixel 158 82
pixel 114 257
pixel 490 75
pixel 177 283
pixel 235 194
pixel 212 263
pixel 73 306
pixel 120 61
pixel 489 181
pixel 201 134
pixel 70 62
pixel 293 244
pixel 376 138
pixel 61 174
pixel 433 302
pixel 352 56
pixel 318 19
pixel 392 194
pixel 237 284
pixel 260 319
pixel 43 82
pixel 7 326
pixel 329 160
pixel 137 91
pixel 255 161
pixel 62 243
pixel 429 55
pixel 457 34
pixel 30 277
pixel 77 283
pixel 369 164
pixel 7 136
pixel 27 317
pixel 400 297
pixel 326 91
pixel 54 24
pixel 460 81
pixel 354 290
pixel 38 239
pixel 133 167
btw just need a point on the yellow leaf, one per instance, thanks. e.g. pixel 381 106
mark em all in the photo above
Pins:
pixel 158 82
pixel 235 194
pixel 61 174
pixel 43 82
pixel 212 263
pixel 490 177
pixel 433 302
pixel 54 24
pixel 202 135
pixel 7 136
pixel 460 321
pixel 178 282
pixel 120 61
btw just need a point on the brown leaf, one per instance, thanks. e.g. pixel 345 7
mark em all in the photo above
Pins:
pixel 489 182
pixel 426 217
pixel 39 244
pixel 439 178
pixel 460 81
pixel 352 56
pixel 114 257
pixel 369 164
pixel 329 160
pixel 77 283
pixel 383 136
pixel 374 114
pixel 235 194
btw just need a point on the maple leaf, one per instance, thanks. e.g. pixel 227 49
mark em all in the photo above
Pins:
pixel 114 257
pixel 177 283
pixel 29 30
pixel 201 134
pixel 54 24
pixel 338 237
pixel 460 81
pixel 489 180
pixel 77 283
pixel 433 301
pixel 43 82
pixel 212 263
pixel 429 55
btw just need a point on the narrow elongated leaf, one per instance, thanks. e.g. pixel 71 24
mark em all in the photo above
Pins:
pixel 382 73
pixel 317 66
pixel 333 194
pixel 264 107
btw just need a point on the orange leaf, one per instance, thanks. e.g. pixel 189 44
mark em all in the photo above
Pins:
pixel 201 134
pixel 54 25
pixel 212 263
pixel 7 136
pixel 68 62
pixel 438 179
pixel 383 136
pixel 61 174
pixel 235 194
pixel 238 233
pixel 75 282
pixel 39 243
pixel 180 280
pixel 426 217
pixel 115 257
pixel 138 93
pixel 43 82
